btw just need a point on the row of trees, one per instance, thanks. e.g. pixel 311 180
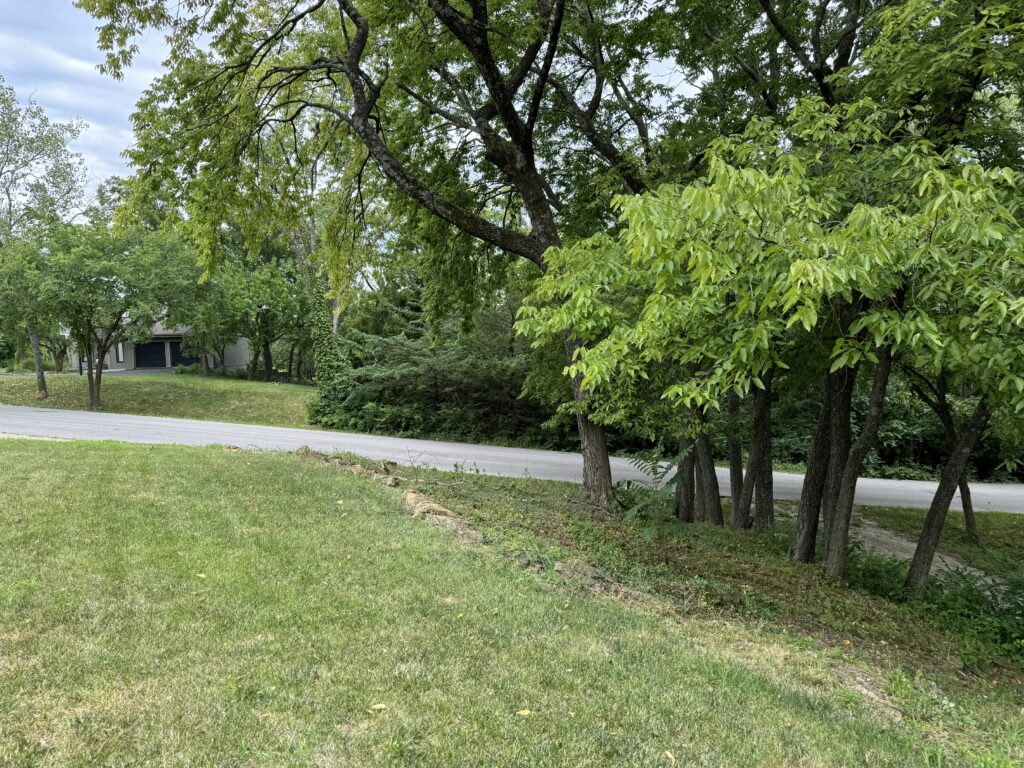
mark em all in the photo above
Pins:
pixel 713 202
pixel 88 276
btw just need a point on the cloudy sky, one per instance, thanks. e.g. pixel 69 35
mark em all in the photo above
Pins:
pixel 48 51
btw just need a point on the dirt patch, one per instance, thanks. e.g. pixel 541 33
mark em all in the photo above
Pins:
pixel 463 530
pixel 879 541
pixel 868 687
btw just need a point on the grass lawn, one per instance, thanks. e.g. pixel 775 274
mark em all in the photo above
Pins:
pixel 212 398
pixel 195 606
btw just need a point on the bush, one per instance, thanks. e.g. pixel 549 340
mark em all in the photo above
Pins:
pixel 986 614
pixel 387 371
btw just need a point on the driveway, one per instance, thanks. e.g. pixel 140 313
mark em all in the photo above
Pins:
pixel 488 459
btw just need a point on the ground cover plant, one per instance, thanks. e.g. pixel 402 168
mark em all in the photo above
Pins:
pixel 276 610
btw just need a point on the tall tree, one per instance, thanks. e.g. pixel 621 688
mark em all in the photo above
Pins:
pixel 40 182
pixel 113 283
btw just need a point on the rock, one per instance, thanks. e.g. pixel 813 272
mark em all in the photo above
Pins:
pixel 308 453
pixel 389 480
pixel 420 505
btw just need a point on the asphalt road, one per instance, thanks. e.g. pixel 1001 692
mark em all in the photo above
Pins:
pixel 495 460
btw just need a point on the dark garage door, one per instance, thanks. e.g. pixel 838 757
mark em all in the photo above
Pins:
pixel 150 355
pixel 179 359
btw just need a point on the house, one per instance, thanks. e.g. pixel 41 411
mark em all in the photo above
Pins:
pixel 163 350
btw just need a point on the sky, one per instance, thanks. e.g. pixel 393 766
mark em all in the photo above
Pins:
pixel 48 52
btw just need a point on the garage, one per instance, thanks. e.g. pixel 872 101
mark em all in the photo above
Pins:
pixel 150 355
pixel 177 358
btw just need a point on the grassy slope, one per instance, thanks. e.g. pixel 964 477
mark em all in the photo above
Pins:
pixel 151 613
pixel 190 397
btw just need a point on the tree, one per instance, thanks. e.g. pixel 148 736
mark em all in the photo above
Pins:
pixel 913 250
pixel 40 182
pixel 456 73
pixel 112 284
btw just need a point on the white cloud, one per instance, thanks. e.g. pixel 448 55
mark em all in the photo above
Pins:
pixel 48 52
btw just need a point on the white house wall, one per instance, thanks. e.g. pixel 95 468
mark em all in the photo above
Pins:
pixel 236 356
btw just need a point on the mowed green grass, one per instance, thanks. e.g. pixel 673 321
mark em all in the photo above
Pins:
pixel 193 606
pixel 211 398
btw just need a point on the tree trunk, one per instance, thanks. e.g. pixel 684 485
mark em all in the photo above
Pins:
pixel 741 512
pixel 94 370
pixel 205 359
pixel 37 360
pixel 841 384
pixel 970 521
pixel 96 403
pixel 764 510
pixel 291 360
pixel 928 542
pixel 254 361
pixel 685 481
pixel 946 417
pixel 597 469
pixel 805 535
pixel 707 482
pixel 737 520
pixel 88 367
pixel 59 356
pixel 268 362
pixel 839 529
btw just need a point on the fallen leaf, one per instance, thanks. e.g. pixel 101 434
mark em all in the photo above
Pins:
pixel 671 757
pixel 379 707
pixel 524 713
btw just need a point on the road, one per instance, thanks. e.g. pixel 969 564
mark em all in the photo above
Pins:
pixel 489 459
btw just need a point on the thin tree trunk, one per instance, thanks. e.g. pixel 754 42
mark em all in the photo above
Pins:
pixel 291 360
pixel 737 516
pixel 90 379
pixel 205 359
pixel 707 482
pixel 96 403
pixel 805 535
pixel 946 417
pixel 928 542
pixel 37 360
pixel 59 358
pixel 597 470
pixel 939 404
pixel 741 512
pixel 970 521
pixel 268 362
pixel 839 530
pixel 764 510
pixel 685 481
pixel 842 384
